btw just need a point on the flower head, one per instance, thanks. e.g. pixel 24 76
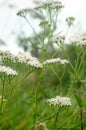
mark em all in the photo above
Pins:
pixel 54 61
pixel 65 101
pixel 8 71
pixel 58 38
pixel 53 4
pixel 21 57
pixel 54 101
pixel 62 101
pixel 34 63
pixel 79 40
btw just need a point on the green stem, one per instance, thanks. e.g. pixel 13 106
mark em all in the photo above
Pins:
pixel 81 117
pixel 58 78
pixel 16 85
pixel 2 98
pixel 81 114
pixel 39 38
pixel 43 51
pixel 36 101
pixel 54 126
pixel 48 118
pixel 67 57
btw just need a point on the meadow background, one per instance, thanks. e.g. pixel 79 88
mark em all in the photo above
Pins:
pixel 26 106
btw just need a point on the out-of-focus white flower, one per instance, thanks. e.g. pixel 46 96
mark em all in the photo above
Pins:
pixel 54 101
pixel 41 126
pixel 79 40
pixel 62 101
pixel 54 61
pixel 53 4
pixel 6 54
pixel 65 101
pixel 64 61
pixel 58 38
pixel 83 81
pixel 7 70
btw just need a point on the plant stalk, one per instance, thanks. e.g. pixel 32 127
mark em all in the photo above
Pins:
pixel 81 118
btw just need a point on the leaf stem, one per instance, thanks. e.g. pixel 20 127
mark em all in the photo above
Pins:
pixel 81 117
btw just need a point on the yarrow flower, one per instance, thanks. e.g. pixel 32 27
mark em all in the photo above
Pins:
pixel 55 61
pixel 65 101
pixel 8 71
pixel 79 40
pixel 21 58
pixel 49 1
pixel 62 101
pixel 58 38
pixel 53 4
pixel 28 59
pixel 34 63
pixel 54 101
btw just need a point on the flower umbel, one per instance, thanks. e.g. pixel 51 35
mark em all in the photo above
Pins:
pixel 34 63
pixel 62 101
pixel 58 38
pixel 8 71
pixel 79 40
pixel 54 101
pixel 54 4
pixel 21 57
pixel 55 61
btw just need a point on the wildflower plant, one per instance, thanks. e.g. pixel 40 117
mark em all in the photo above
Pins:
pixel 54 74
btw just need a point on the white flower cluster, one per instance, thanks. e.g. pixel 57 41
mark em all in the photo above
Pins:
pixel 52 3
pixel 62 101
pixel 21 57
pixel 58 38
pixel 80 40
pixel 54 61
pixel 35 63
pixel 8 71
pixel 6 54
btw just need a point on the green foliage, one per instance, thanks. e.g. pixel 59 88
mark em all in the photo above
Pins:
pixel 60 73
